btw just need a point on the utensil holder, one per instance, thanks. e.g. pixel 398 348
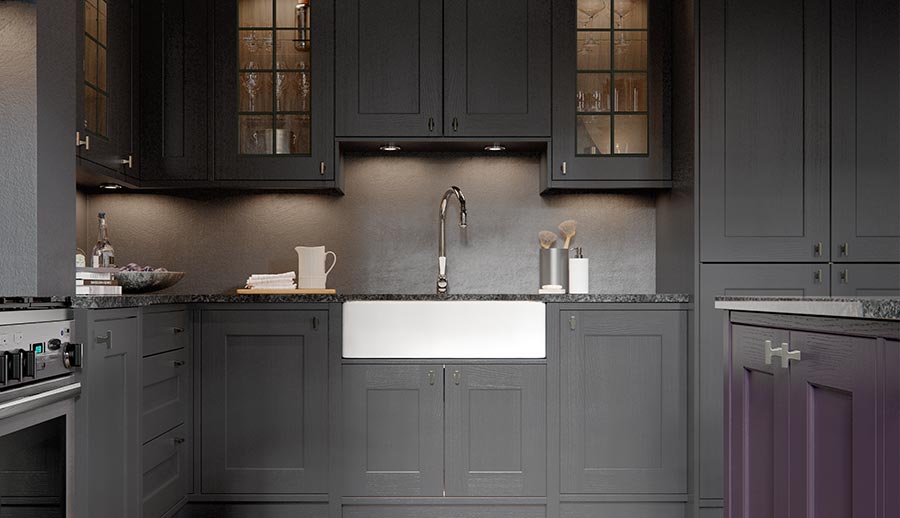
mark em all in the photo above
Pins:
pixel 555 267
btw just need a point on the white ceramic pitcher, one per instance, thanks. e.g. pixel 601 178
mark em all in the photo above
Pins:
pixel 311 272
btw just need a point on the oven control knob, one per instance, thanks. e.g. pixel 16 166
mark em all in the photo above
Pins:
pixel 72 355
pixel 28 364
pixel 15 364
pixel 54 344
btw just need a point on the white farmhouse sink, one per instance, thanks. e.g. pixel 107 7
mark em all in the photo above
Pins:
pixel 444 329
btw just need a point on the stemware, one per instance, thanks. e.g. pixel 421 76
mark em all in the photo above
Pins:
pixel 303 86
pixel 250 82
pixel 621 9
pixel 590 8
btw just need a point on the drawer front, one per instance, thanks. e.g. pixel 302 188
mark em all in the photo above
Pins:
pixel 166 331
pixel 253 510
pixel 617 509
pixel 167 472
pixel 444 511
pixel 166 394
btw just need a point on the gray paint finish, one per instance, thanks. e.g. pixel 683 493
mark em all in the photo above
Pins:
pixel 18 148
pixel 384 230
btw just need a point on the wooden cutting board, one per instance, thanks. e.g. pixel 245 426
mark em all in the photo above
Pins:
pixel 246 291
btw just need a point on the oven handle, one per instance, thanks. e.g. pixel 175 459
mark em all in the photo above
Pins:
pixel 41 399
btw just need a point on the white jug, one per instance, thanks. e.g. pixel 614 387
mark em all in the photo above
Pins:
pixel 311 272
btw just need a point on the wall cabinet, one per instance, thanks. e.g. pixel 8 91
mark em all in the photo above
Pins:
pixel 108 415
pixel 611 106
pixel 429 68
pixel 865 280
pixel 623 402
pixel 105 104
pixel 804 432
pixel 455 431
pixel 264 401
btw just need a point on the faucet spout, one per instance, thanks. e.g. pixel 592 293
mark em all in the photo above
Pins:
pixel 442 283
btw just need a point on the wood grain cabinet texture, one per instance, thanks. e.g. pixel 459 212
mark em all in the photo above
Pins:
pixel 623 402
pixel 434 430
pixel 452 68
pixel 108 436
pixel 264 401
pixel 806 433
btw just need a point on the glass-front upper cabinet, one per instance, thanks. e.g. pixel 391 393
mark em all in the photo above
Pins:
pixel 610 125
pixel 273 99
pixel 104 124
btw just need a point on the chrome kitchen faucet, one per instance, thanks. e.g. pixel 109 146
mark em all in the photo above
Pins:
pixel 442 283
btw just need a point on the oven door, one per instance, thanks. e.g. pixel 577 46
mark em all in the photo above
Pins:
pixel 37 450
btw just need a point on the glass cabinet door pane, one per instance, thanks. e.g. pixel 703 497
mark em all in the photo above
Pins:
pixel 256 91
pixel 593 93
pixel 90 109
pixel 255 50
pixel 292 135
pixel 631 92
pixel 292 91
pixel 292 53
pixel 592 48
pixel 255 134
pixel 90 61
pixel 631 50
pixel 255 13
pixel 631 134
pixel 101 21
pixel 96 95
pixel 90 18
pixel 593 134
pixel 593 14
pixel 630 14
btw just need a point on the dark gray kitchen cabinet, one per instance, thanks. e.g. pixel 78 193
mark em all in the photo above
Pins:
pixel 174 36
pixel 264 396
pixel 623 509
pixel 393 439
pixel 735 279
pixel 611 100
pixel 388 75
pixel 273 93
pixel 865 117
pixel 865 280
pixel 255 510
pixel 453 68
pixel 496 430
pixel 764 131
pixel 444 511
pixel 107 428
pixel 166 397
pixel 623 401
pixel 105 100
pixel 496 63
pixel 167 471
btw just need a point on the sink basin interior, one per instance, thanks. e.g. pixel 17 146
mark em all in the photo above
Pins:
pixel 444 329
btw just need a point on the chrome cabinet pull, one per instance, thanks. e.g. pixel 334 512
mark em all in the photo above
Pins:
pixel 178 363
pixel 178 440
pixel 322 168
pixel 572 322
pixel 128 161
pixel 105 339
pixel 817 277
pixel 845 276
pixel 782 352
pixel 845 249
pixel 177 330
pixel 771 351
pixel 430 123
pixel 563 168
pixel 817 249
pixel 455 124
pixel 315 323
pixel 431 377
pixel 456 377
pixel 86 142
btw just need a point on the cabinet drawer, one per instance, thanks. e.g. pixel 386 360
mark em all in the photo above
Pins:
pixel 445 511
pixel 166 331
pixel 167 472
pixel 616 509
pixel 166 394
pixel 255 510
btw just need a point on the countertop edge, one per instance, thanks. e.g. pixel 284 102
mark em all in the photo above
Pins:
pixel 874 308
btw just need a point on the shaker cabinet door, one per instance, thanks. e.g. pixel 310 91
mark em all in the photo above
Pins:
pixel 496 64
pixel 623 414
pixel 757 477
pixel 865 129
pixel 496 430
pixel 865 280
pixel 835 454
pixel 393 430
pixel 264 397
pixel 764 131
pixel 389 68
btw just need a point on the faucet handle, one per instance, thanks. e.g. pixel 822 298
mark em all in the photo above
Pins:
pixel 442 265
pixel 442 285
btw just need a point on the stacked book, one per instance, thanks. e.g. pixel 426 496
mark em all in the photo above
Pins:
pixel 96 281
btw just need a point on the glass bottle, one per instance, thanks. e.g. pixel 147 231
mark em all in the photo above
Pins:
pixel 103 255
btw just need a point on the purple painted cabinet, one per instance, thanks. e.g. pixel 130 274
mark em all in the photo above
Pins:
pixel 808 433
pixel 834 444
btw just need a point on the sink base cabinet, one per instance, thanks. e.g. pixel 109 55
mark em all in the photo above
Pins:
pixel 264 401
pixel 806 432
pixel 435 430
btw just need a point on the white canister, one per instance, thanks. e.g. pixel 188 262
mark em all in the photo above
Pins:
pixel 579 275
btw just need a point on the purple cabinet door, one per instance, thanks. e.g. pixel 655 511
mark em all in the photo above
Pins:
pixel 892 428
pixel 756 426
pixel 834 444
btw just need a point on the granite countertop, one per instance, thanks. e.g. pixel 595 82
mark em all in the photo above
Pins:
pixel 873 308
pixel 126 301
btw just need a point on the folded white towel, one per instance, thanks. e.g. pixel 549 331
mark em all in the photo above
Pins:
pixel 290 276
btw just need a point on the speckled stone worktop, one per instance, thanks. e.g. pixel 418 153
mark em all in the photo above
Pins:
pixel 873 308
pixel 126 301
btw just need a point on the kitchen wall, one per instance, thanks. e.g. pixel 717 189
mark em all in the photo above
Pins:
pixel 385 229
pixel 18 148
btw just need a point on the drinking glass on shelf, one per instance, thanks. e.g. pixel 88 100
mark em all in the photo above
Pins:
pixel 597 97
pixel 303 86
pixel 622 8
pixel 579 97
pixel 250 82
pixel 280 80
pixel 590 8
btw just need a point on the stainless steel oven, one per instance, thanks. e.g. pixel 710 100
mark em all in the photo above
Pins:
pixel 38 385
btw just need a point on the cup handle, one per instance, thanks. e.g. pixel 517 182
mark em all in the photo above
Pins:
pixel 334 262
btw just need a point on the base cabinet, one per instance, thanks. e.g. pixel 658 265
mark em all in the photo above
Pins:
pixel 444 430
pixel 264 397
pixel 254 510
pixel 444 511
pixel 622 509
pixel 623 402
pixel 805 434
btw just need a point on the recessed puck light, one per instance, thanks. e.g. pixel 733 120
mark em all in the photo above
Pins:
pixel 110 186
pixel 495 147
pixel 390 146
